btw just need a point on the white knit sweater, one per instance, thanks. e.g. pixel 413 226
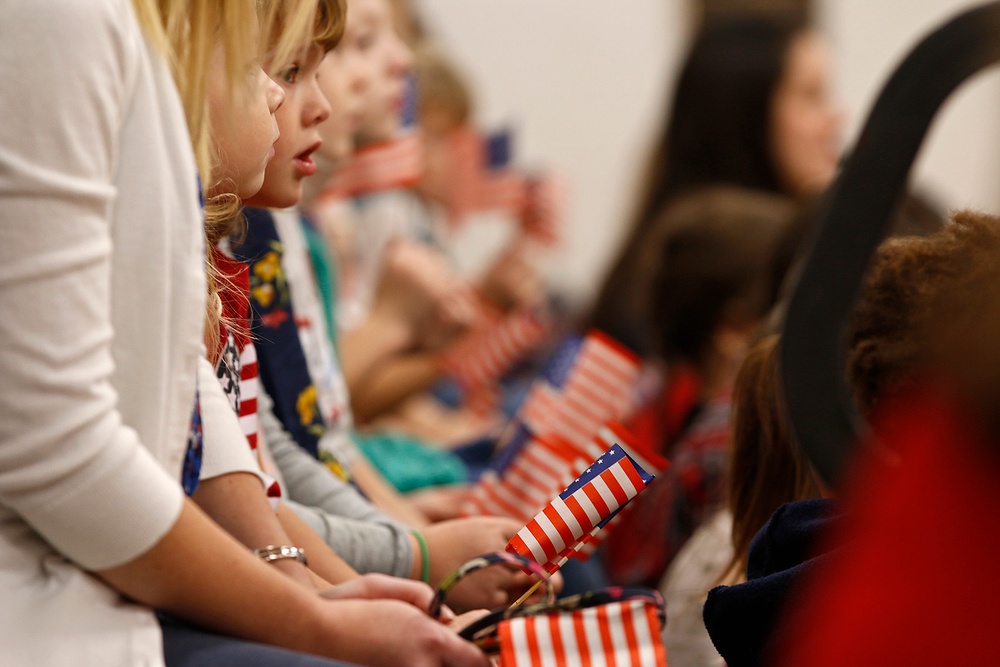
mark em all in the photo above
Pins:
pixel 101 304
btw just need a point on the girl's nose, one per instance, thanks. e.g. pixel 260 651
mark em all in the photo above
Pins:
pixel 275 95
pixel 319 109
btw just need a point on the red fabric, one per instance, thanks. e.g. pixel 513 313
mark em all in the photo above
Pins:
pixel 917 581
pixel 658 424
pixel 233 293
pixel 638 552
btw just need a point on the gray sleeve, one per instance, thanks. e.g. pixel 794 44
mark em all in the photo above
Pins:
pixel 366 537
pixel 367 546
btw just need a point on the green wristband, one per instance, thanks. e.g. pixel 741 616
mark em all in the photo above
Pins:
pixel 425 569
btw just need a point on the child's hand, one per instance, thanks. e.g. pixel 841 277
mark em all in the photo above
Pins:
pixel 382 620
pixel 418 288
pixel 439 503
pixel 511 281
pixel 390 633
pixel 381 586
pixel 451 543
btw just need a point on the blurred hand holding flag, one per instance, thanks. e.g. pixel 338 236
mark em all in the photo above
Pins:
pixel 386 165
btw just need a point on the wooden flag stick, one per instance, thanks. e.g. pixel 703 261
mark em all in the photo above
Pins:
pixel 527 594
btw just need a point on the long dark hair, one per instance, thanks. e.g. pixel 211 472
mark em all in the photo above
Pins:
pixel 766 467
pixel 718 133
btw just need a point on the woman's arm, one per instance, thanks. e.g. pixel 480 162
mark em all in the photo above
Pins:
pixel 238 504
pixel 199 573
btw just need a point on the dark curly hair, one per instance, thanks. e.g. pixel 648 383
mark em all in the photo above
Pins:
pixel 921 291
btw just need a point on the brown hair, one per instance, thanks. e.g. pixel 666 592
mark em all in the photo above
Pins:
pixel 912 288
pixel 444 92
pixel 713 259
pixel 932 301
pixel 767 468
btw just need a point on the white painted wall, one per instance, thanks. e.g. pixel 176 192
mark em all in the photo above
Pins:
pixel 584 84
pixel 960 161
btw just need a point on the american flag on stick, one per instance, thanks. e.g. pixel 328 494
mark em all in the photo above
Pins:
pixel 538 468
pixel 617 634
pixel 597 388
pixel 556 533
pixel 483 177
pixel 483 355
pixel 559 428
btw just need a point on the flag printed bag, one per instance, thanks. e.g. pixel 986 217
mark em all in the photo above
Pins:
pixel 614 627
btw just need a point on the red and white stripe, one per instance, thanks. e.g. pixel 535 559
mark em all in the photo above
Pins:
pixel 249 422
pixel 504 190
pixel 604 374
pixel 538 410
pixel 545 466
pixel 467 156
pixel 248 394
pixel 490 350
pixel 617 634
pixel 387 165
pixel 541 470
pixel 598 388
pixel 562 523
pixel 610 434
pixel 567 428
pixel 475 187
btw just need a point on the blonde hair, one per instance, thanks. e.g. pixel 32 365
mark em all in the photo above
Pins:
pixel 191 31
pixel 194 29
pixel 443 89
pixel 148 17
pixel 287 26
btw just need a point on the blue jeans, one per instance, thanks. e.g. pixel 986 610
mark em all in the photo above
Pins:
pixel 186 646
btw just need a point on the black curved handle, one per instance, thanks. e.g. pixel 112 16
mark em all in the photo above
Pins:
pixel 854 222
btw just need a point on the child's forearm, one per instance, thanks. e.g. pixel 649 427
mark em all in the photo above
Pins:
pixel 384 496
pixel 238 503
pixel 370 344
pixel 392 382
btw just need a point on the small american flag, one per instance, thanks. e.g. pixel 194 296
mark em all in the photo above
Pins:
pixel 483 355
pixel 483 178
pixel 537 469
pixel 559 429
pixel 616 634
pixel 597 388
pixel 584 507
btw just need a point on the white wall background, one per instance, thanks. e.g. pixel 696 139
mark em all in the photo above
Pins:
pixel 960 161
pixel 584 84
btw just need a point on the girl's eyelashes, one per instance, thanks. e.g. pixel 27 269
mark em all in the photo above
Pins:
pixel 290 74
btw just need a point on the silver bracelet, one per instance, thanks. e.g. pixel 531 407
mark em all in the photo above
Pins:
pixel 272 553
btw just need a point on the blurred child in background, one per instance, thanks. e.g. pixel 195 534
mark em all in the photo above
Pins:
pixel 721 258
pixel 302 400
pixel 751 108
